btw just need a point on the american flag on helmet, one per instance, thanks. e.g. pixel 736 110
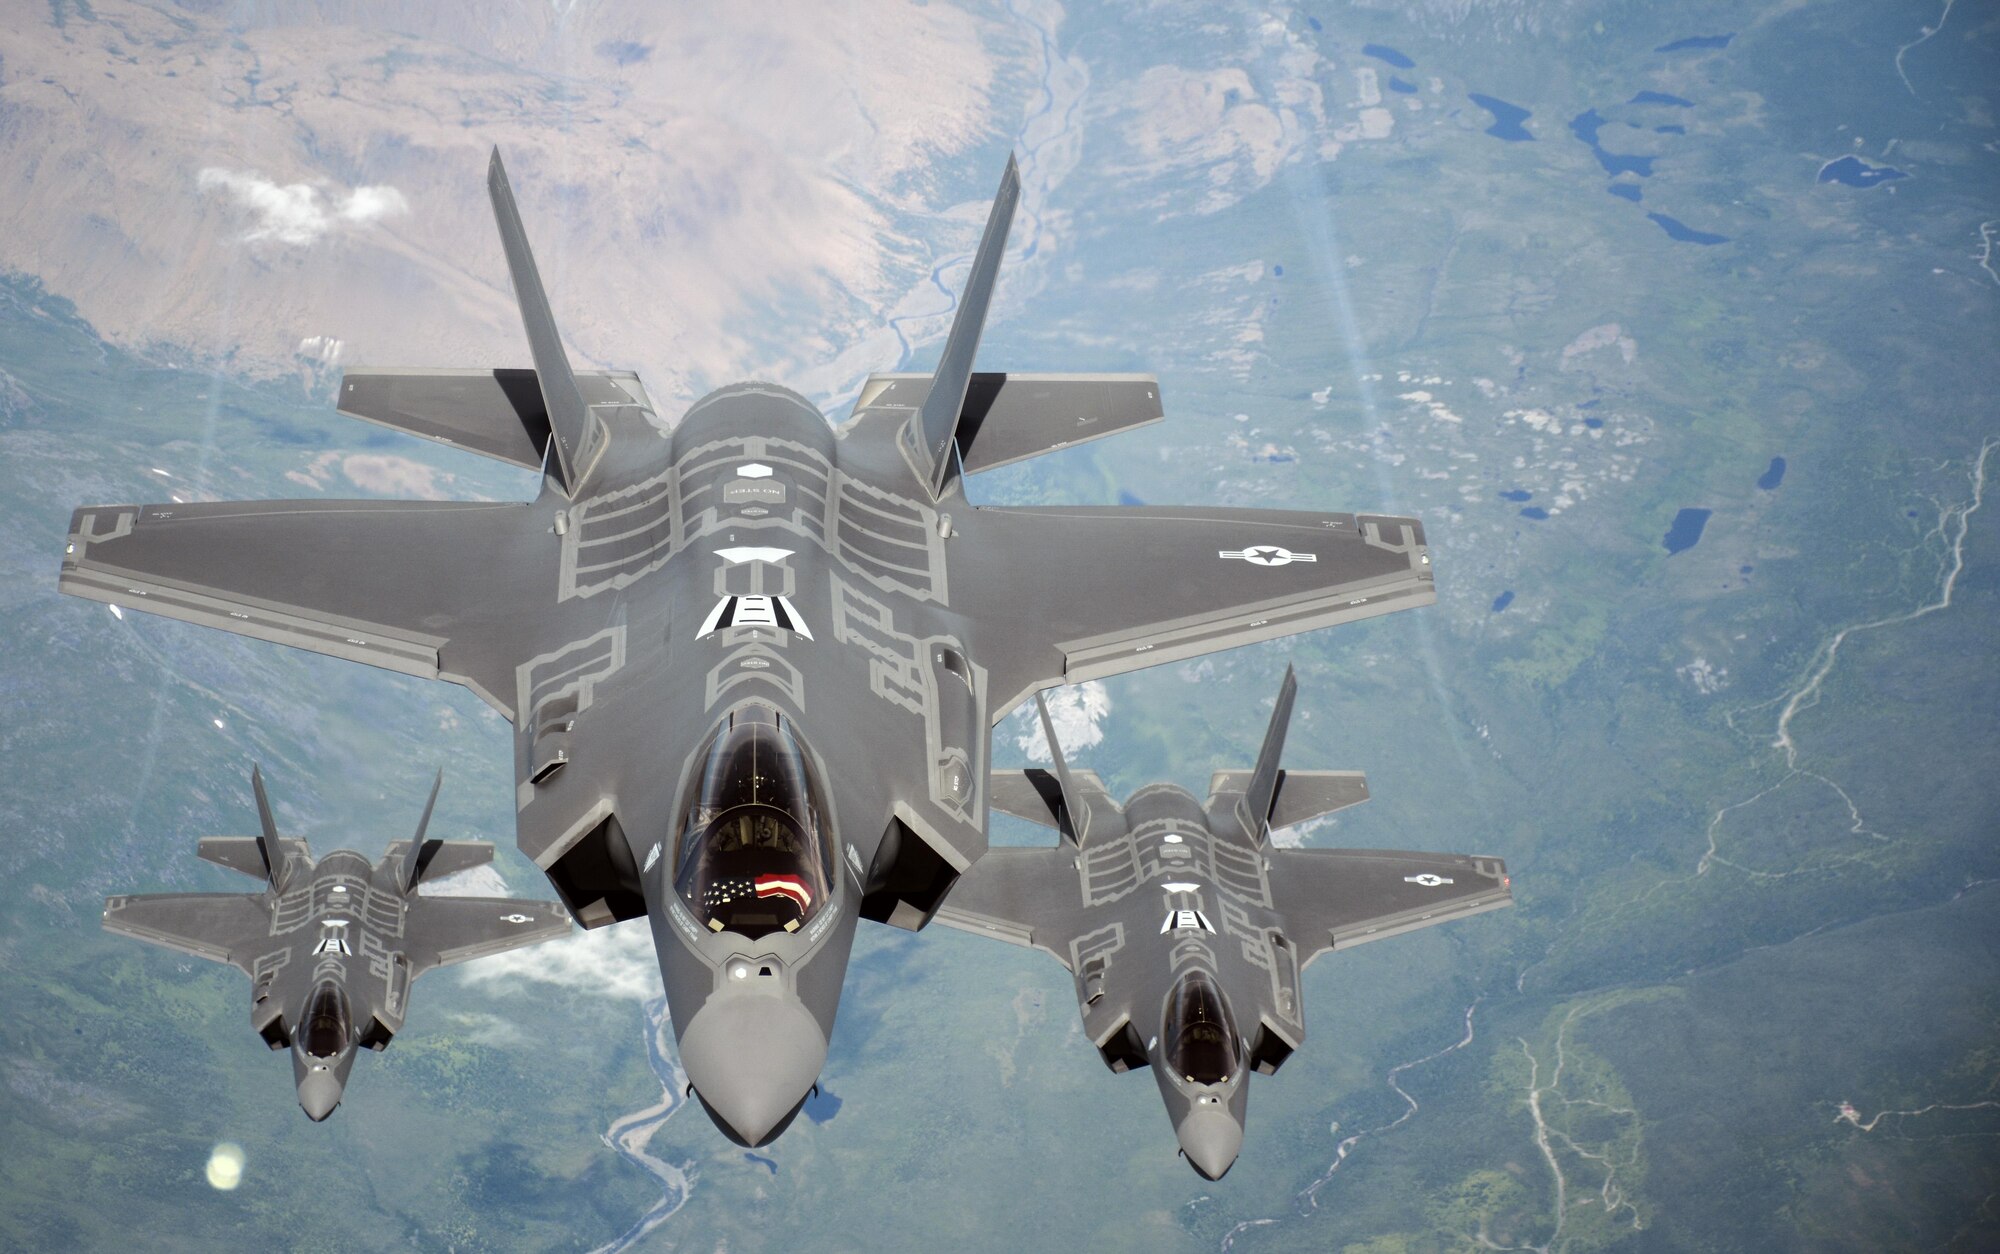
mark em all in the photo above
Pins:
pixel 787 886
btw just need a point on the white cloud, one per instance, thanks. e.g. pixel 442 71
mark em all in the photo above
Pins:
pixel 480 881
pixel 395 476
pixel 293 213
pixel 366 204
pixel 615 961
pixel 1077 713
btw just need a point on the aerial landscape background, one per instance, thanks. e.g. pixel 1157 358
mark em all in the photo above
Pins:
pixel 1674 323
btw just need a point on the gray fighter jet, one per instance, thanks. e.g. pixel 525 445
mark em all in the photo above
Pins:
pixel 1186 930
pixel 331 946
pixel 752 660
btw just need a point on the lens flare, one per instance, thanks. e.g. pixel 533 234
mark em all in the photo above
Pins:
pixel 225 1166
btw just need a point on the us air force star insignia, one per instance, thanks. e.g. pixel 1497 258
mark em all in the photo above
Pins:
pixel 1427 879
pixel 517 918
pixel 1268 555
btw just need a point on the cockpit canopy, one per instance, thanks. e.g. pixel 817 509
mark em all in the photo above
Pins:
pixel 1201 1042
pixel 328 1027
pixel 753 854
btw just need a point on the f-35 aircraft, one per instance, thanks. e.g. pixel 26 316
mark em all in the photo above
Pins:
pixel 752 660
pixel 331 946
pixel 1186 930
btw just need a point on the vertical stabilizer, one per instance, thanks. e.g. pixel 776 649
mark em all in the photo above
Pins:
pixel 936 424
pixel 570 446
pixel 1254 810
pixel 413 857
pixel 268 847
pixel 1076 812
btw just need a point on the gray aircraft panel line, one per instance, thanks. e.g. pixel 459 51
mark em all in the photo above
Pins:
pixel 785 592
pixel 1186 929
pixel 331 944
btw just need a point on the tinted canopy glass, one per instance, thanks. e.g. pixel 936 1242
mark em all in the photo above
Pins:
pixel 754 856
pixel 1201 1041
pixel 328 1027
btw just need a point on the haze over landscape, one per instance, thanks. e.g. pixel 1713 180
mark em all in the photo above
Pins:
pixel 1674 324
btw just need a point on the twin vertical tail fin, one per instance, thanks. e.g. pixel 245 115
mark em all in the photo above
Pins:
pixel 934 427
pixel 572 443
pixel 414 858
pixel 1075 824
pixel 1253 811
pixel 269 851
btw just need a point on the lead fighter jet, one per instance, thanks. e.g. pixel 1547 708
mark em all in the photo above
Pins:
pixel 751 660
pixel 1186 931
pixel 332 945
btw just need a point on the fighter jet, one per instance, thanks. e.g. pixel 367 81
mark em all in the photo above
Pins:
pixel 752 660
pixel 331 945
pixel 1186 929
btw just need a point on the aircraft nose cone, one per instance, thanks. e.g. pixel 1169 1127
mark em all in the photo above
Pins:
pixel 752 1060
pixel 1211 1139
pixel 319 1093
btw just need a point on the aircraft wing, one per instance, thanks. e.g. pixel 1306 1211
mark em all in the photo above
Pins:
pixel 1339 898
pixel 1060 594
pixel 422 587
pixel 441 931
pixel 221 927
pixel 1021 896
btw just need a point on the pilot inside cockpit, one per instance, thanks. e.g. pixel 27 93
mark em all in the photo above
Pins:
pixel 754 855
pixel 1201 1041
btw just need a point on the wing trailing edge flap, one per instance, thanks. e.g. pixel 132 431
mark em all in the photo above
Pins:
pixel 1064 594
pixel 425 588
pixel 221 927
pixel 443 931
pixel 1008 418
pixel 1340 898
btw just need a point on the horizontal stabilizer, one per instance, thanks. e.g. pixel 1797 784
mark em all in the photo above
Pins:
pixel 495 413
pixel 1302 795
pixel 439 858
pixel 1007 418
pixel 238 853
pixel 1036 795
